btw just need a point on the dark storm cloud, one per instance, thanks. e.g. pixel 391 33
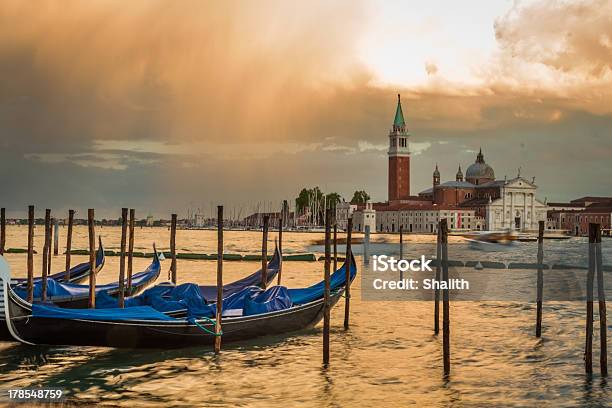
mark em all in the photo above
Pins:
pixel 159 104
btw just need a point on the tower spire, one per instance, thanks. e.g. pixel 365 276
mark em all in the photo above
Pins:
pixel 398 122
pixel 436 176
pixel 480 157
pixel 459 175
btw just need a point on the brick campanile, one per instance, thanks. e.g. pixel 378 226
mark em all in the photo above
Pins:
pixel 399 157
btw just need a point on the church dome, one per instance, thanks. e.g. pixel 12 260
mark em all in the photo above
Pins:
pixel 479 172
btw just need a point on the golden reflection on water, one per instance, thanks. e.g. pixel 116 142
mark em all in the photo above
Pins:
pixel 389 357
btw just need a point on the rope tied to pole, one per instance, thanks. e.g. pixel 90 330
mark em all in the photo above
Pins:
pixel 204 329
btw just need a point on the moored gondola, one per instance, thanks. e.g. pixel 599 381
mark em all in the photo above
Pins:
pixel 78 273
pixel 76 296
pixel 206 294
pixel 210 292
pixel 146 327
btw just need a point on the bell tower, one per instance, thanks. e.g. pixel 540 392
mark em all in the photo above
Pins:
pixel 399 157
pixel 436 176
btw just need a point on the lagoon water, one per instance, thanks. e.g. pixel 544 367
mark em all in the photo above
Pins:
pixel 389 357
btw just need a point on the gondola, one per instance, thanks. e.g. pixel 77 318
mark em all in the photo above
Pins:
pixel 77 296
pixel 106 295
pixel 73 296
pixel 78 273
pixel 208 293
pixel 145 327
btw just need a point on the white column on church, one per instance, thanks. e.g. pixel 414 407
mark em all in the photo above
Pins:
pixel 503 207
pixel 512 209
pixel 534 219
pixel 525 225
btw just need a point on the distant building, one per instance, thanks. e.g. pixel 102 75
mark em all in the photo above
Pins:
pixel 508 204
pixel 576 215
pixel 199 220
pixel 475 202
pixel 385 217
pixel 366 216
pixel 343 211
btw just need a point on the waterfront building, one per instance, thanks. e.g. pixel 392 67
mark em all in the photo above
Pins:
pixel 474 201
pixel 425 219
pixel 343 211
pixel 576 215
pixel 364 216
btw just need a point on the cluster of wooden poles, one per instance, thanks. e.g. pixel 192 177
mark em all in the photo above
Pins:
pixel 51 225
pixel 594 269
pixel 127 240
pixel 330 242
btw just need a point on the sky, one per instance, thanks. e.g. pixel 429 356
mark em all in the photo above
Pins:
pixel 164 105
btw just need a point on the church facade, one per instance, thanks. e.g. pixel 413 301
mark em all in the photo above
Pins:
pixel 477 202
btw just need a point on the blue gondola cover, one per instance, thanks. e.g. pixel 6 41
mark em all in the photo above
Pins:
pixel 273 299
pixel 130 313
pixel 55 288
pixel 337 279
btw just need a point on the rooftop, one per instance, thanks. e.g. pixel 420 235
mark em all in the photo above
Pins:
pixel 457 184
pixel 593 199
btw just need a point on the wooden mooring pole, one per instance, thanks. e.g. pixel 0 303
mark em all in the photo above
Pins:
pixel 264 252
pixel 366 245
pixel 438 277
pixel 130 259
pixel 173 248
pixel 348 262
pixel 445 299
pixel 55 237
pixel 601 297
pixel 280 248
pixel 2 230
pixel 335 246
pixel 45 255
pixel 326 295
pixel 92 258
pixel 219 278
pixel 588 347
pixel 540 283
pixel 69 244
pixel 124 224
pixel 30 253
pixel 401 248
pixel 50 232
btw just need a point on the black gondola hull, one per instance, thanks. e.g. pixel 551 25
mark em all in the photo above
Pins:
pixel 160 334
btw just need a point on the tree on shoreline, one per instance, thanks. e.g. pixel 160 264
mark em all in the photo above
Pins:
pixel 315 201
pixel 360 197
